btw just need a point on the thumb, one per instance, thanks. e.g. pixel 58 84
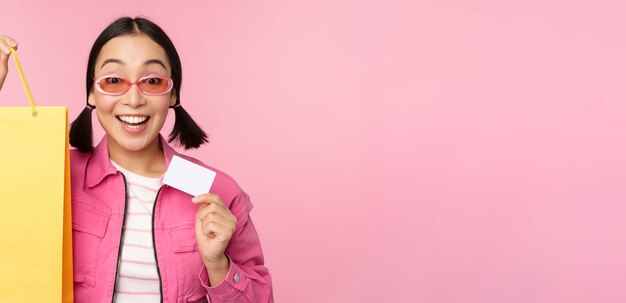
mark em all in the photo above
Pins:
pixel 4 67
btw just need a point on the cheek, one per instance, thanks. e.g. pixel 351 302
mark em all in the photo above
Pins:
pixel 162 104
pixel 105 103
pixel 161 115
pixel 159 109
pixel 104 110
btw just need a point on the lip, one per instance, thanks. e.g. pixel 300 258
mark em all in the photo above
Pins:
pixel 133 115
pixel 133 128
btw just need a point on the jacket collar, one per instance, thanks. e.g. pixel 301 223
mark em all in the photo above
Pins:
pixel 99 165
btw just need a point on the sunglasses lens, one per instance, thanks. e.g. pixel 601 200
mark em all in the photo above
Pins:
pixel 114 85
pixel 155 85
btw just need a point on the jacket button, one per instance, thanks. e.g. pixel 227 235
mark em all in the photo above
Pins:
pixel 236 278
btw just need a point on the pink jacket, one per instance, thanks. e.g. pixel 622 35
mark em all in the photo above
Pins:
pixel 98 204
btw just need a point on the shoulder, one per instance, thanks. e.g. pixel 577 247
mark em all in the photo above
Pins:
pixel 78 161
pixel 76 156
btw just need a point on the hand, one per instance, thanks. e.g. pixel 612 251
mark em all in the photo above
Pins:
pixel 5 52
pixel 215 225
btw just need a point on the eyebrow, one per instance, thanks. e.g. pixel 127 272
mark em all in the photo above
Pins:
pixel 118 61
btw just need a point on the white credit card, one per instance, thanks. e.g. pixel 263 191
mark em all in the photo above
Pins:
pixel 188 177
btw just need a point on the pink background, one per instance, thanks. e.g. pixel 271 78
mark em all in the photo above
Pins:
pixel 396 151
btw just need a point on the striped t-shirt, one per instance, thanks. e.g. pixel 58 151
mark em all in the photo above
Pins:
pixel 138 280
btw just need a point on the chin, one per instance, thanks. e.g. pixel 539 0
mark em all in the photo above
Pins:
pixel 133 144
pixel 137 145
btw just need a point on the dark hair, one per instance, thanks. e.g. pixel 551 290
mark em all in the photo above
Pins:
pixel 185 132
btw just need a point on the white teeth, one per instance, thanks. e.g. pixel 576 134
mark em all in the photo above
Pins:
pixel 133 119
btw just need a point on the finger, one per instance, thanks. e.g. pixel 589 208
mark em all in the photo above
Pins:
pixel 4 67
pixel 214 230
pixel 214 213
pixel 9 40
pixel 4 58
pixel 208 198
pixel 4 47
pixel 217 231
pixel 222 215
pixel 208 213
pixel 210 206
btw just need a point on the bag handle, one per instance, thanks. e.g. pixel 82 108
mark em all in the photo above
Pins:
pixel 31 100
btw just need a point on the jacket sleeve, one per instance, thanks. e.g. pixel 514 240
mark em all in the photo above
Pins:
pixel 248 280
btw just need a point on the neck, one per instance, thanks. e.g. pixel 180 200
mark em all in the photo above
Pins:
pixel 147 162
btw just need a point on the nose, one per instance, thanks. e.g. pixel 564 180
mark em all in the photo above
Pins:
pixel 134 97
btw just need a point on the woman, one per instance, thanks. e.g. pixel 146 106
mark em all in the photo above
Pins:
pixel 135 239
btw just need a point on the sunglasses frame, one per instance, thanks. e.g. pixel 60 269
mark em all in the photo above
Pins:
pixel 99 89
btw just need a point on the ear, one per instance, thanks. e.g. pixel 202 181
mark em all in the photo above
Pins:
pixel 173 98
pixel 90 100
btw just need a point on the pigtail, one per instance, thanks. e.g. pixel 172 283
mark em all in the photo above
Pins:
pixel 186 131
pixel 81 131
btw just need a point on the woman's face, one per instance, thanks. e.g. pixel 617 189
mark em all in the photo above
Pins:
pixel 133 119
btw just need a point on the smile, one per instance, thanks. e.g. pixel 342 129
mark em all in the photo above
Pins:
pixel 133 121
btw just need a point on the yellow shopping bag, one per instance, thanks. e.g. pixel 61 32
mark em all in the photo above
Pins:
pixel 35 203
